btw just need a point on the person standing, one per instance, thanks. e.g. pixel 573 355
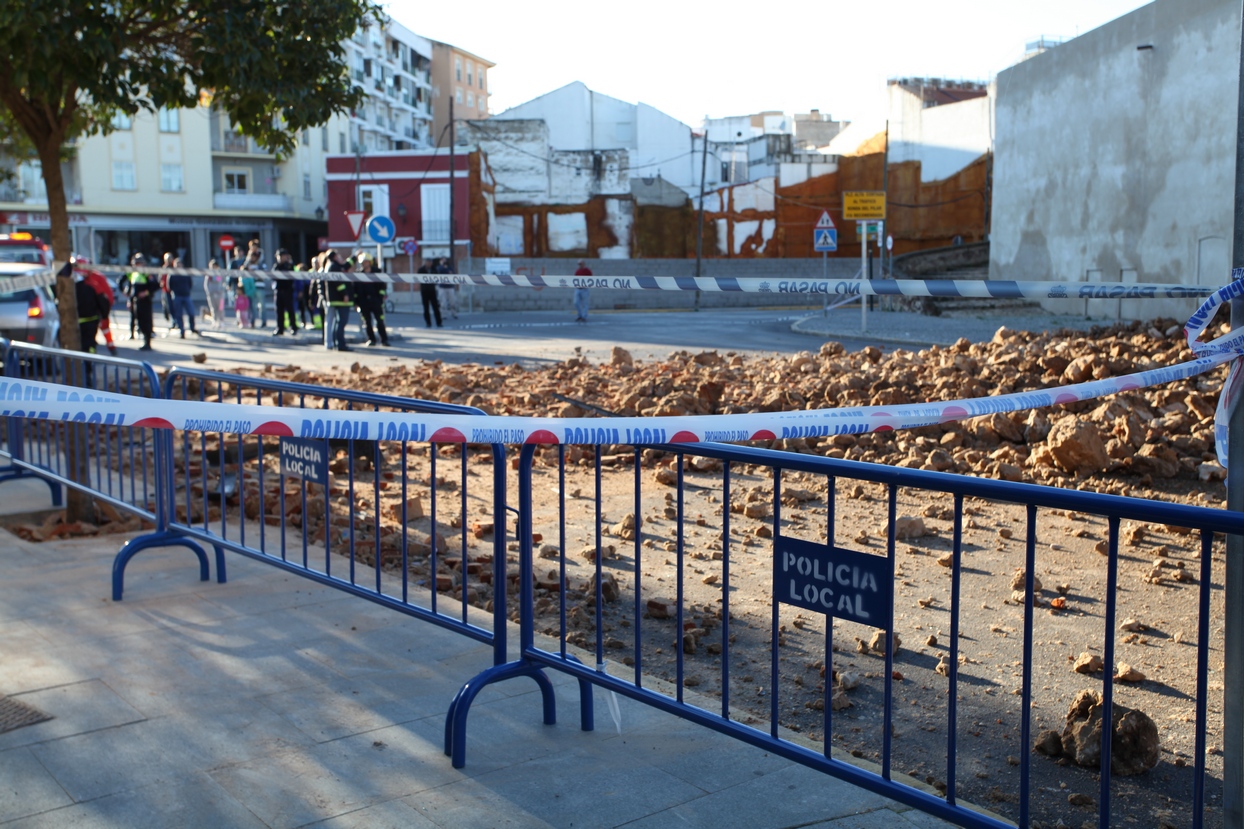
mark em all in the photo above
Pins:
pixel 143 288
pixel 166 304
pixel 582 297
pixel 214 289
pixel 340 296
pixel 107 298
pixel 88 309
pixel 369 299
pixel 428 294
pixel 285 295
pixel 180 287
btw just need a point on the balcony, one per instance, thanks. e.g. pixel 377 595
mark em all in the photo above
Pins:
pixel 264 202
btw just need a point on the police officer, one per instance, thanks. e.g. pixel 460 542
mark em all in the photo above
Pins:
pixel 285 296
pixel 143 288
pixel 369 298
pixel 340 297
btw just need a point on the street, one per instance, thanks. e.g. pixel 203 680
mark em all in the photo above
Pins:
pixel 532 338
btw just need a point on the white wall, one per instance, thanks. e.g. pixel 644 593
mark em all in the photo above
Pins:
pixel 944 139
pixel 664 149
pixel 1115 159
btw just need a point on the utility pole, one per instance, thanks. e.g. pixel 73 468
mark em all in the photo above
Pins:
pixel 699 236
pixel 1233 580
pixel 453 257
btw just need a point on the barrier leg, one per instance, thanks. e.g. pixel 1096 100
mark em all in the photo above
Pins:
pixel 220 563
pixel 587 708
pixel 456 718
pixel 159 539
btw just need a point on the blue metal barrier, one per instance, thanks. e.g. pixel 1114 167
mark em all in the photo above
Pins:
pixel 228 491
pixel 791 542
pixel 119 466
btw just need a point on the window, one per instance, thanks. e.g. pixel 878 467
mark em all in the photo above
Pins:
pixel 123 176
pixel 306 186
pixel 369 203
pixel 470 99
pixel 120 121
pixel 170 120
pixel 237 182
pixel 481 77
pixel 458 69
pixel 171 180
pixel 324 138
pixel 459 96
pixel 341 141
pixel 470 73
pixel 306 138
pixel 31 176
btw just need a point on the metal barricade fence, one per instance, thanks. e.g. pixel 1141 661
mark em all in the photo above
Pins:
pixel 363 529
pixel 116 463
pixel 750 612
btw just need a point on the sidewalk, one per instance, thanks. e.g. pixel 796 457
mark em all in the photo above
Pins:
pixel 909 328
pixel 273 702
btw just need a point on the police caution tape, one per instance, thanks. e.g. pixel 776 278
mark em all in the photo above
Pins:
pixel 849 288
pixel 47 401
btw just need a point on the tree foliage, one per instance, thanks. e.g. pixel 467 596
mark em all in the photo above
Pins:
pixel 67 67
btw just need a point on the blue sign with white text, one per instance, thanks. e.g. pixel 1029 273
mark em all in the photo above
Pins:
pixel 835 581
pixel 305 459
pixel 381 229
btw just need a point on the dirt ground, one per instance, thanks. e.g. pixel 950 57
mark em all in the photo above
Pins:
pixel 1153 444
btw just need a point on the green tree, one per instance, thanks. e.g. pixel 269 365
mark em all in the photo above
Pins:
pixel 68 67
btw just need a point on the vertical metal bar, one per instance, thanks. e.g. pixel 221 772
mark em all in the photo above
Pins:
pixel 406 552
pixel 280 480
pixel 725 590
pixel 526 628
pixel 774 664
pixel 464 448
pixel 432 556
pixel 1202 678
pixel 639 560
pixel 679 661
pixel 1025 700
pixel 600 592
pixel 351 502
pixel 561 518
pixel 1112 590
pixel 952 705
pixel 887 736
pixel 827 687
pixel 376 457
pixel 500 571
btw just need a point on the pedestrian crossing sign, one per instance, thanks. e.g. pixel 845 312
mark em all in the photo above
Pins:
pixel 825 240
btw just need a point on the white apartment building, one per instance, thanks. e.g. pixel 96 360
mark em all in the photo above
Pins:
pixel 179 180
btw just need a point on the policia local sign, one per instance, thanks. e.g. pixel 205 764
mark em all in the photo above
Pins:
pixel 834 581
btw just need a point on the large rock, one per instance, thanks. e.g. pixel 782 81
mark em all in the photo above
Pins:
pixel 1076 446
pixel 1133 736
pixel 1158 461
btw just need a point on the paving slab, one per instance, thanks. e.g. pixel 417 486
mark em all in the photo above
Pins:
pixel 272 701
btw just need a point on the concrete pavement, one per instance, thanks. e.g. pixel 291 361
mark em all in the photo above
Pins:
pixel 273 702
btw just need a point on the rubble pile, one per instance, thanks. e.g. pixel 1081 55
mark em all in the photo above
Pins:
pixel 1163 432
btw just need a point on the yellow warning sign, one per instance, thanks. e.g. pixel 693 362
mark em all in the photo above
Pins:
pixel 863 204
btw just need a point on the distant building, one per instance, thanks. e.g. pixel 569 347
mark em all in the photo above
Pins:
pixel 945 125
pixel 1115 157
pixel 393 66
pixel 462 77
pixel 814 130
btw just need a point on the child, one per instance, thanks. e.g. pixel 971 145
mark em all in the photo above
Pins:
pixel 242 305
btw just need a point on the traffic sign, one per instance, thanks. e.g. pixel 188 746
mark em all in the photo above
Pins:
pixel 825 240
pixel 355 218
pixel 226 242
pixel 381 229
pixel 863 204
pixel 825 221
pixel 409 247
pixel 889 243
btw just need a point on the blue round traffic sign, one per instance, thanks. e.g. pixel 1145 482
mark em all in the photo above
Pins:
pixel 381 229
pixel 409 247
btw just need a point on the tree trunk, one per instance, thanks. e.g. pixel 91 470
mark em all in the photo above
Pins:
pixel 79 506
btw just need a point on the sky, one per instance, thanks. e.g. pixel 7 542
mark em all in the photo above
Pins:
pixel 690 59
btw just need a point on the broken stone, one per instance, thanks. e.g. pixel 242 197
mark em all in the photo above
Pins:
pixel 1126 673
pixel 909 526
pixel 1134 743
pixel 1088 663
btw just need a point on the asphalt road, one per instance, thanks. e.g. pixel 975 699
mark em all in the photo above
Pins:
pixel 532 338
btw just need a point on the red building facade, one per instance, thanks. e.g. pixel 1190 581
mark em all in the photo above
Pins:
pixel 413 188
